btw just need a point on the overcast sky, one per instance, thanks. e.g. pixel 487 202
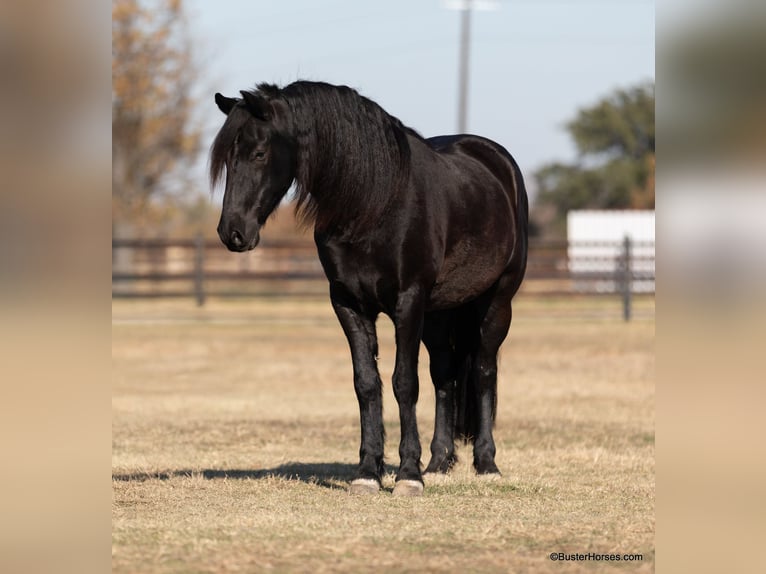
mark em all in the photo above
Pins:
pixel 534 63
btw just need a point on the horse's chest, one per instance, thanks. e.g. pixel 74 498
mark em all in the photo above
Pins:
pixel 367 276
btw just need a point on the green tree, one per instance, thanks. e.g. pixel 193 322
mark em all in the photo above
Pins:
pixel 615 167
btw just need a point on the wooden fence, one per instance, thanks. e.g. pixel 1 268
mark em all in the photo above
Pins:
pixel 204 268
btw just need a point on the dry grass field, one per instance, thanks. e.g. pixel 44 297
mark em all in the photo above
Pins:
pixel 235 431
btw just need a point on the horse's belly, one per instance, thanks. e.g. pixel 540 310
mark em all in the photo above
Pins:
pixel 464 280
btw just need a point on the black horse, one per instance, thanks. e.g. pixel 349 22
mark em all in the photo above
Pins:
pixel 431 232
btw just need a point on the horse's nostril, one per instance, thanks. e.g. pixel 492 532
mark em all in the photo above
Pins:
pixel 236 239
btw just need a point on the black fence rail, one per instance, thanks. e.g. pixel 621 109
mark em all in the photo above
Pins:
pixel 202 268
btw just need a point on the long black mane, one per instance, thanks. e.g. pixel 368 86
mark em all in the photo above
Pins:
pixel 353 156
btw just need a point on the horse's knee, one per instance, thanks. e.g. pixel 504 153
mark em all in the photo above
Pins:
pixel 405 385
pixel 367 387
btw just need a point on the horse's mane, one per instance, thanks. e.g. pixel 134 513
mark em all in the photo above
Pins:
pixel 352 155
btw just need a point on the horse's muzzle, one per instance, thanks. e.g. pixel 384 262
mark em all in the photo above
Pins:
pixel 236 240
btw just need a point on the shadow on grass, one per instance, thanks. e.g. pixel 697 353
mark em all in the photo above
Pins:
pixel 333 475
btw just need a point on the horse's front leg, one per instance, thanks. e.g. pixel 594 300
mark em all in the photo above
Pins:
pixel 408 325
pixel 362 339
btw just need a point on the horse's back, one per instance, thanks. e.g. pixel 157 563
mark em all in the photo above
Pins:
pixel 488 153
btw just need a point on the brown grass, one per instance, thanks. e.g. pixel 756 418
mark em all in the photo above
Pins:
pixel 235 431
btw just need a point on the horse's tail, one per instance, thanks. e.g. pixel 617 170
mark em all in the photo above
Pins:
pixel 519 255
pixel 466 405
pixel 466 393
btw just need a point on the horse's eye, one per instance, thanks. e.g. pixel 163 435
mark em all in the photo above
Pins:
pixel 259 155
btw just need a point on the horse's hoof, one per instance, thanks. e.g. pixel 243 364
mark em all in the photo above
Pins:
pixel 483 468
pixel 441 467
pixel 408 488
pixel 490 476
pixel 364 486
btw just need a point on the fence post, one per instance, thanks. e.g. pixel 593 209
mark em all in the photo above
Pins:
pixel 199 269
pixel 627 278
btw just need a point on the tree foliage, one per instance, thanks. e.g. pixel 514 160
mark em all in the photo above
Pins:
pixel 615 168
pixel 154 135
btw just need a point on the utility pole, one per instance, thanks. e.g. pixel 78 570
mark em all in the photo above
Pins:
pixel 465 46
pixel 464 60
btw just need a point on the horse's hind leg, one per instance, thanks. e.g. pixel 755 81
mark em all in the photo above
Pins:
pixel 438 338
pixel 495 323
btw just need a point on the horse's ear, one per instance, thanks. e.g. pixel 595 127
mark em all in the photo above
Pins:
pixel 257 105
pixel 225 104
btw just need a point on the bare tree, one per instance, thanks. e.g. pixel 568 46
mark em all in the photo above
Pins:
pixel 154 135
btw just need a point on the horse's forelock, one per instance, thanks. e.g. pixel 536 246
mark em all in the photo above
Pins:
pixel 223 142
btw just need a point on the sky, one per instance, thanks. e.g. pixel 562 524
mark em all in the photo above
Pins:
pixel 533 63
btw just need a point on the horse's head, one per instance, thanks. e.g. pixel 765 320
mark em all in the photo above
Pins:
pixel 258 153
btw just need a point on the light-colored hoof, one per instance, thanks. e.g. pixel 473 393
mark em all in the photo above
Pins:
pixel 490 477
pixel 364 486
pixel 408 488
